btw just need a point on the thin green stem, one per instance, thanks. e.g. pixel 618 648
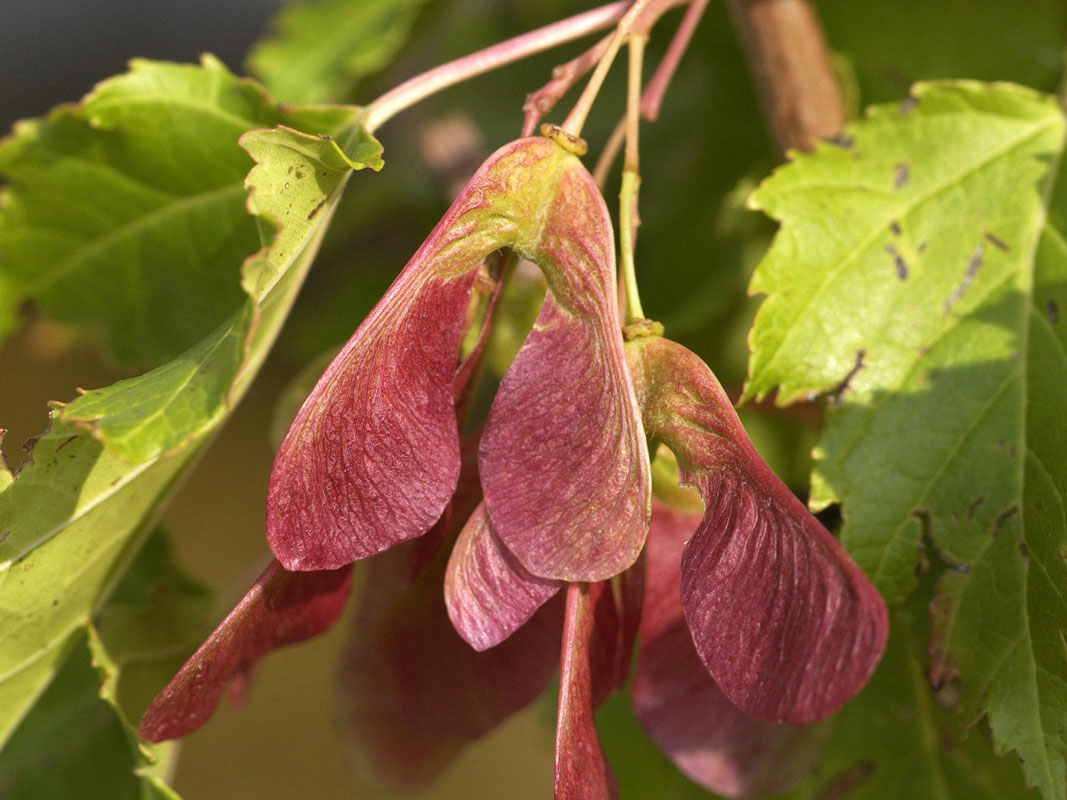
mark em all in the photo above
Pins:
pixel 631 182
pixel 608 153
pixel 627 235
pixel 576 118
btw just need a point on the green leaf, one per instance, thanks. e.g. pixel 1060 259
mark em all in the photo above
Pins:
pixel 126 212
pixel 6 478
pixel 298 177
pixel 320 50
pixel 72 519
pixel 74 515
pixel 1003 624
pixel 153 621
pixel 297 181
pixel 75 742
pixel 900 739
pixel 917 279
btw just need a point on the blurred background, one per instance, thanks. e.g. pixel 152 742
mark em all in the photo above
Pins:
pixel 707 151
pixel 281 742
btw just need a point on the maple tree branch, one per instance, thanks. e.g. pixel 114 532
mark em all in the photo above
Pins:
pixel 790 61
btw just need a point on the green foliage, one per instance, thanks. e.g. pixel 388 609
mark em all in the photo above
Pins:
pixel 75 738
pixel 320 50
pixel 297 180
pixel 75 513
pixel 73 519
pixel 126 212
pixel 78 732
pixel 916 278
pixel 901 738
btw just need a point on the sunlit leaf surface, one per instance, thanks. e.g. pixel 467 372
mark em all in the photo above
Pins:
pixel 918 279
pixel 78 509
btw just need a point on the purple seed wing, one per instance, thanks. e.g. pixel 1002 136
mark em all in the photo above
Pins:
pixel 413 693
pixel 679 706
pixel 373 455
pixel 582 772
pixel 488 593
pixel 786 623
pixel 282 608
pixel 563 459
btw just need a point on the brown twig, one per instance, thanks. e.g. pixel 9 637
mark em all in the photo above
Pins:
pixel 788 55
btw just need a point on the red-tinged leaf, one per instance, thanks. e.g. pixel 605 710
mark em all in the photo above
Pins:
pixel 282 608
pixel 373 454
pixel 787 625
pixel 582 772
pixel 413 692
pixel 488 593
pixel 678 704
pixel 564 463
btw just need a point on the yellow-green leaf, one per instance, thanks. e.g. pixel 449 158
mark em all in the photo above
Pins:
pixel 917 280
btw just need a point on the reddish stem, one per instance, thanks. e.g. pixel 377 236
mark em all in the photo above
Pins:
pixel 564 77
pixel 661 78
pixel 528 44
pixel 543 100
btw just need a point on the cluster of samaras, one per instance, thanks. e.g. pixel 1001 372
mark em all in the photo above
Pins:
pixel 749 613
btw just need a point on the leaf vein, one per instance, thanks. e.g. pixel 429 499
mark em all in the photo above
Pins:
pixel 80 256
pixel 950 454
pixel 865 241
